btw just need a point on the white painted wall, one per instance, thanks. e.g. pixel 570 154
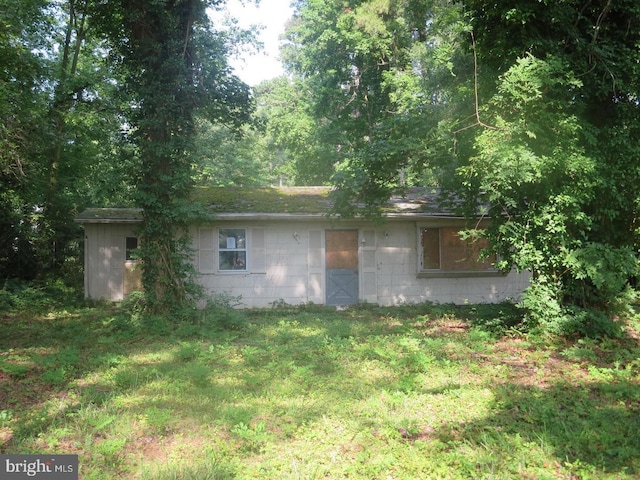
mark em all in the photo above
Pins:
pixel 397 259
pixel 288 264
pixel 294 268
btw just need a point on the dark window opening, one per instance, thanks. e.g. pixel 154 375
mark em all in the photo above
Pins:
pixel 130 248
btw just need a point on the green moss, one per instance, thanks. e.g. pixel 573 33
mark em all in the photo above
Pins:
pixel 301 200
pixel 281 200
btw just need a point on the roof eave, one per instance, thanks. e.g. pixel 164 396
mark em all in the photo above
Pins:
pixel 107 220
pixel 321 216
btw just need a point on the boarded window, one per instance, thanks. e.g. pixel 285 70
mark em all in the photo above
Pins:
pixel 430 238
pixel 341 249
pixel 444 250
pixel 257 254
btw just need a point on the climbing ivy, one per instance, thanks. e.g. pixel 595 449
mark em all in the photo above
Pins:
pixel 175 68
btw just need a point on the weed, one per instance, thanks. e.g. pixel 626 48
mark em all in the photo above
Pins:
pixel 188 351
pixel 158 419
pixel 55 376
pixel 254 436
pixel 110 448
pixel 14 369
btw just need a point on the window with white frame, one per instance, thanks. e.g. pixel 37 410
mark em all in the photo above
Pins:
pixel 232 249
pixel 442 250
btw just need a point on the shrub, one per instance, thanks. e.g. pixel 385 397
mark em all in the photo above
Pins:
pixel 546 314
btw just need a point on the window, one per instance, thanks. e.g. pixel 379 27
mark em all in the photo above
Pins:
pixel 232 249
pixel 229 250
pixel 443 251
pixel 131 244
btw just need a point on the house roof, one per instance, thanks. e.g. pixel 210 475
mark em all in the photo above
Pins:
pixel 282 202
pixel 110 215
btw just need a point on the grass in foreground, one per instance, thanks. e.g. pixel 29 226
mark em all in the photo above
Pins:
pixel 411 392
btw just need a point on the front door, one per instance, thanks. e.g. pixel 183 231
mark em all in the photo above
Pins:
pixel 341 248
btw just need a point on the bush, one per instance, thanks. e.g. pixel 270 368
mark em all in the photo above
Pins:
pixel 7 301
pixel 38 296
pixel 590 323
pixel 542 308
pixel 545 314
pixel 221 314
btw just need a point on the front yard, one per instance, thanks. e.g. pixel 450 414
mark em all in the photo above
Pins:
pixel 311 392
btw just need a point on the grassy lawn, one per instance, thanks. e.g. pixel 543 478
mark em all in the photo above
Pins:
pixel 410 392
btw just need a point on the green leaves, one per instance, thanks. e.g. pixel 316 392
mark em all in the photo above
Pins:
pixel 175 68
pixel 606 268
pixel 547 156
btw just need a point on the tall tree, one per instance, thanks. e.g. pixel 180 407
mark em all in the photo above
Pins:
pixel 226 157
pixel 557 152
pixel 529 107
pixel 54 104
pixel 73 75
pixel 21 106
pixel 360 61
pixel 284 115
pixel 175 66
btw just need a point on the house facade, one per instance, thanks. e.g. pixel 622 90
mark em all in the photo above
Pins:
pixel 273 245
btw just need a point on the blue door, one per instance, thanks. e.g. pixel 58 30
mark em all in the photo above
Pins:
pixel 341 247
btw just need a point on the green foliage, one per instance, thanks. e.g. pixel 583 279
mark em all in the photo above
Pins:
pixel 537 129
pixel 299 152
pixel 220 313
pixel 536 172
pixel 601 274
pixel 253 437
pixel 545 314
pixel 40 296
pixel 224 158
pixel 356 65
pixel 175 67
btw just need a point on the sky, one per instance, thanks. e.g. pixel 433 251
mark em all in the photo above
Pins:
pixel 272 14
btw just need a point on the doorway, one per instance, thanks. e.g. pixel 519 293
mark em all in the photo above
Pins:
pixel 341 247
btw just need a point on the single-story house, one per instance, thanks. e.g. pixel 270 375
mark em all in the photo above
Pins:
pixel 269 245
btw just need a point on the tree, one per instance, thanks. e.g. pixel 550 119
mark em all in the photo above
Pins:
pixel 292 133
pixel 174 66
pixel 281 146
pixel 528 110
pixel 55 114
pixel 20 116
pixel 66 153
pixel 363 64
pixel 224 157
pixel 556 155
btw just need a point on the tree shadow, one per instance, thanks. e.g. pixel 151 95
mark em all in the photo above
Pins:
pixel 223 378
pixel 593 425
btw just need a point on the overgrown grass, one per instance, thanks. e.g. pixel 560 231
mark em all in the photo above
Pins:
pixel 310 392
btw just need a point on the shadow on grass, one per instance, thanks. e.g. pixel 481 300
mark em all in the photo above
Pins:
pixel 590 429
pixel 181 378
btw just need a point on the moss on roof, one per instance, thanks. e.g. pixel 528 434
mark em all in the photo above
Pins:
pixel 110 215
pixel 283 200
pixel 300 200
